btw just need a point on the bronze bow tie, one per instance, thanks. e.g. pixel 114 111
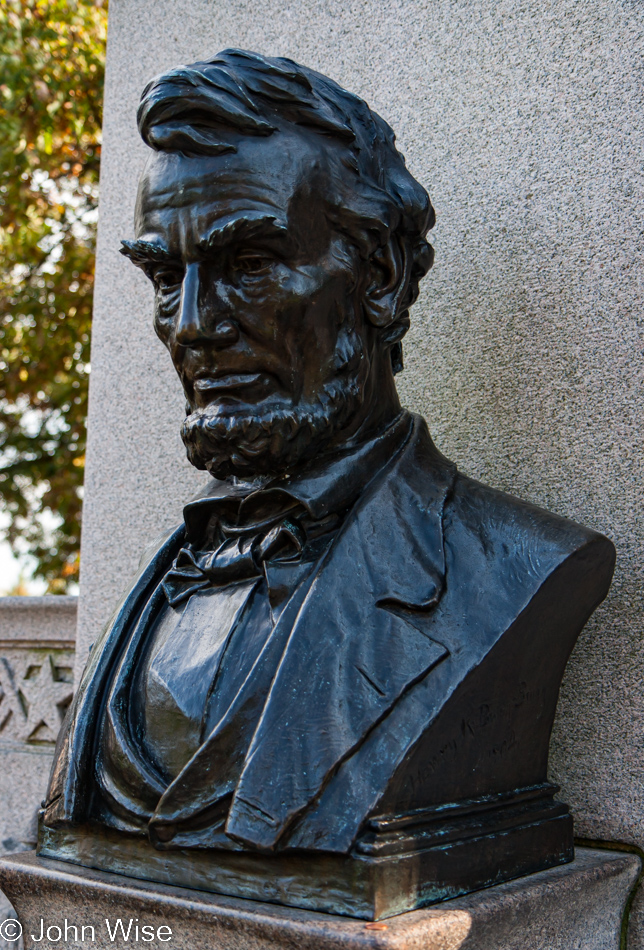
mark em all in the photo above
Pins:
pixel 238 558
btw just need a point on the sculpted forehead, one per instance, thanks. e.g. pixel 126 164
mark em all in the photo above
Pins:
pixel 263 174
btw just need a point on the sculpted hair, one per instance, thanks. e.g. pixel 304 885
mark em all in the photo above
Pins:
pixel 203 109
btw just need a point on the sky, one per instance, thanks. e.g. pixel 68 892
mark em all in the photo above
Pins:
pixel 13 568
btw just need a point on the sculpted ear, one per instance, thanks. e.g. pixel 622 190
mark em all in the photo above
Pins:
pixel 388 280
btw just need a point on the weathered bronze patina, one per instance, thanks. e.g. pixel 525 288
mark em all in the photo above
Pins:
pixel 333 686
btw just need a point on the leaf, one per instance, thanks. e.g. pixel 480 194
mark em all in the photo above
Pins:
pixel 51 70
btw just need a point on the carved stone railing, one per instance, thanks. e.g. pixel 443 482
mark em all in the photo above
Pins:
pixel 37 643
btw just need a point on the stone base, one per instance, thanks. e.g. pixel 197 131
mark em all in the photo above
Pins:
pixel 579 905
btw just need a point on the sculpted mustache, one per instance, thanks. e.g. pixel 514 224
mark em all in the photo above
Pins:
pixel 348 355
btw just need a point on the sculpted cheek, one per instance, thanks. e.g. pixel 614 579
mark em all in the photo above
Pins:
pixel 254 290
pixel 165 309
pixel 274 301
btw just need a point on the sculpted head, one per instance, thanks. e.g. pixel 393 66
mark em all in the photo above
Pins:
pixel 285 240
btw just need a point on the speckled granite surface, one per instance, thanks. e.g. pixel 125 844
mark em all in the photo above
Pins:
pixel 568 908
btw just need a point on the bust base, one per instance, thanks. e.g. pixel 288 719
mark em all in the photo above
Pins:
pixel 578 905
pixel 355 885
pixel 397 865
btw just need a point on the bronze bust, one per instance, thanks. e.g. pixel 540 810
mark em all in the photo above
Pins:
pixel 333 686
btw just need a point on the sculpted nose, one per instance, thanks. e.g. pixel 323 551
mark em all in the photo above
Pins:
pixel 203 315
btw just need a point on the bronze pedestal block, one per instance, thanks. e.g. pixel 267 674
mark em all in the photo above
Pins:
pixel 397 865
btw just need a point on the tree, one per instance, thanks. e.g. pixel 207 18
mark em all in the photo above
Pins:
pixel 51 85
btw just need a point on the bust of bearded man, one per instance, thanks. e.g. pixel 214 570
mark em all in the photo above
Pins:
pixel 333 685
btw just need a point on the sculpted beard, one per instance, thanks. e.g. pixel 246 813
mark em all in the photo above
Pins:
pixel 270 442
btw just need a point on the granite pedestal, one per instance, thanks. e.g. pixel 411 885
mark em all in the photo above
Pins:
pixel 575 907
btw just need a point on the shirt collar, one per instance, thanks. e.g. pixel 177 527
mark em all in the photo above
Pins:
pixel 324 487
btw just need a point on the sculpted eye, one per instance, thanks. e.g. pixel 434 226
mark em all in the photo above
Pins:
pixel 253 264
pixel 166 278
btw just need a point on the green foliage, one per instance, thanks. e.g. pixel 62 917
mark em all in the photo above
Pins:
pixel 51 87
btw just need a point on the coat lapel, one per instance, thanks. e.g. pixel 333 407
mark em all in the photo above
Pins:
pixel 67 793
pixel 353 650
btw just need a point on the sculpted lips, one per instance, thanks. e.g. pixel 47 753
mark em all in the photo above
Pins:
pixel 209 385
pixel 227 381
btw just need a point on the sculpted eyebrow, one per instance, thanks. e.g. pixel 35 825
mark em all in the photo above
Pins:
pixel 239 229
pixel 145 252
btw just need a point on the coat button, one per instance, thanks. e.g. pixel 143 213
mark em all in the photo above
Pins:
pixel 165 832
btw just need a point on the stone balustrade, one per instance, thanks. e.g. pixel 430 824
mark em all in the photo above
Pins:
pixel 37 645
